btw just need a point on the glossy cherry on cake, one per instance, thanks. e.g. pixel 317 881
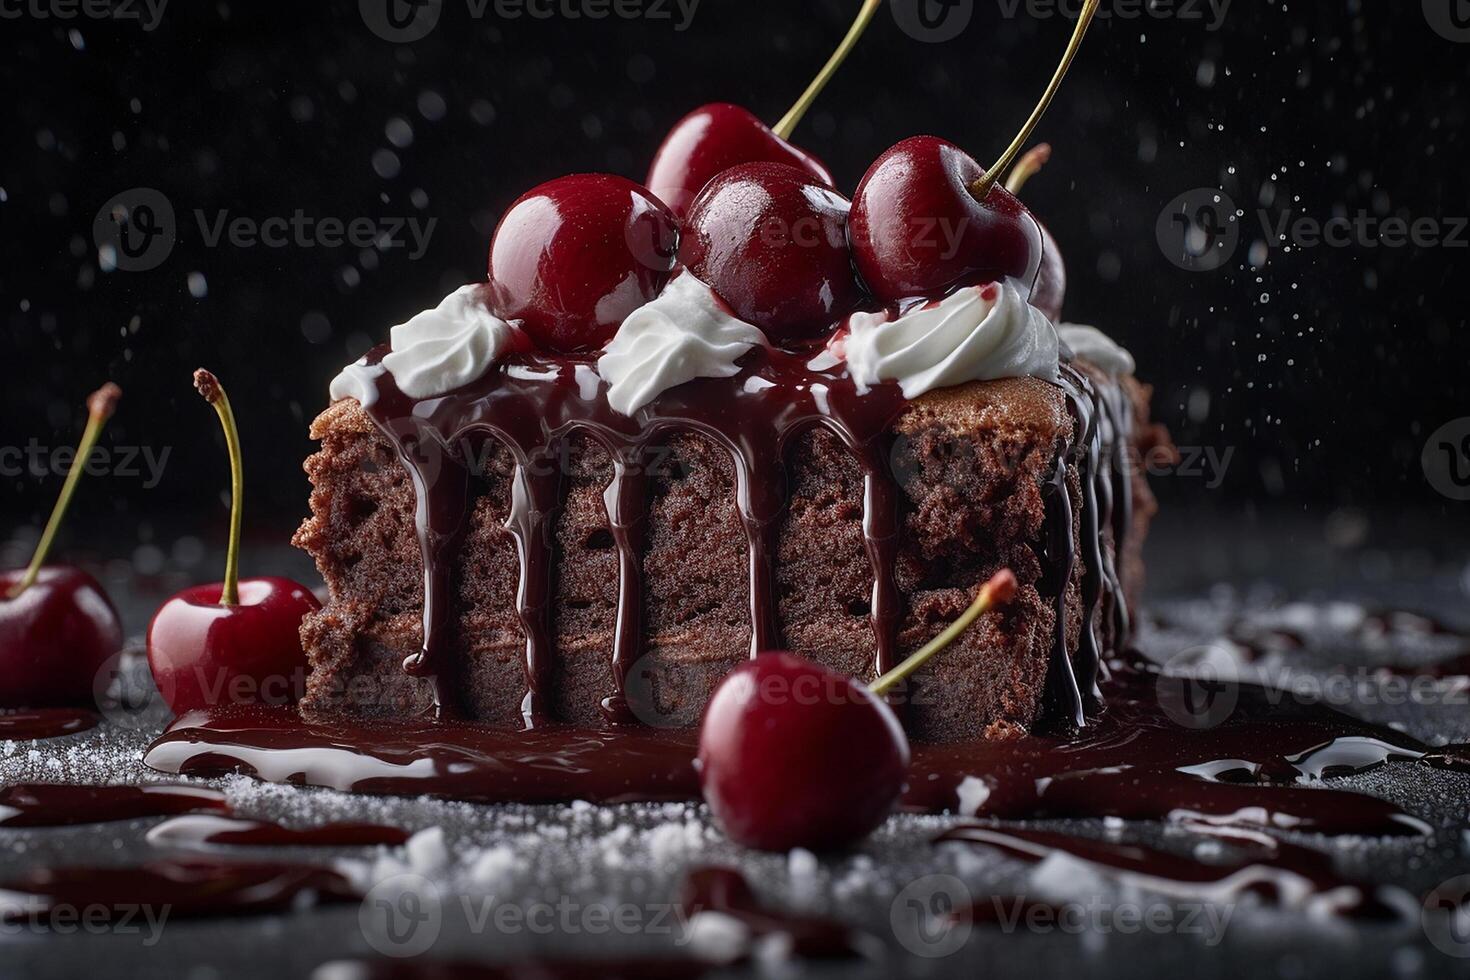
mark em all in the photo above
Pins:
pixel 571 258
pixel 792 754
pixel 927 217
pixel 772 243
pixel 1051 280
pixel 58 628
pixel 711 140
pixel 918 230
pixel 236 641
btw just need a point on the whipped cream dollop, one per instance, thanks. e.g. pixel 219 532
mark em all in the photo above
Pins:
pixel 437 350
pixel 977 333
pixel 683 333
pixel 1097 348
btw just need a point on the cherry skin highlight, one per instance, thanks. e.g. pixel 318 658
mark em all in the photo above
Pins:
pixel 772 243
pixel 917 230
pixel 711 140
pixel 792 754
pixel 573 257
pixel 205 655
pixel 55 638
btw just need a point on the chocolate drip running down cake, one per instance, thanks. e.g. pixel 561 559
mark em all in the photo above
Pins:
pixel 519 553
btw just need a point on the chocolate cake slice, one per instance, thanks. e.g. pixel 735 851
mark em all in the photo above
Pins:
pixel 515 552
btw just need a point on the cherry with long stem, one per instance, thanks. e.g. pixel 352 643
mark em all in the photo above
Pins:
pixel 58 628
pixel 780 735
pixel 100 406
pixel 236 641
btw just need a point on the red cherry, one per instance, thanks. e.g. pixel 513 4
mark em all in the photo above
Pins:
pixel 236 641
pixel 712 139
pixel 574 256
pixel 917 230
pixel 204 654
pixel 55 637
pixel 772 243
pixel 792 754
pixel 57 626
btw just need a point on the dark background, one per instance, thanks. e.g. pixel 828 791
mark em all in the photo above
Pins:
pixel 1323 370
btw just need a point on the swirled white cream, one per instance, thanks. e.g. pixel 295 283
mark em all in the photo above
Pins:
pixel 682 334
pixel 978 333
pixel 1097 348
pixel 437 350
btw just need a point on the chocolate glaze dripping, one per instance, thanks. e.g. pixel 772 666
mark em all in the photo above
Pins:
pixel 533 404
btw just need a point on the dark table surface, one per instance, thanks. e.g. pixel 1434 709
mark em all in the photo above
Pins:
pixel 579 864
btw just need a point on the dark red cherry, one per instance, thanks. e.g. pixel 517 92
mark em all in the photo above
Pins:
pixel 712 139
pixel 792 754
pixel 574 256
pixel 236 641
pixel 205 654
pixel 55 637
pixel 772 243
pixel 917 230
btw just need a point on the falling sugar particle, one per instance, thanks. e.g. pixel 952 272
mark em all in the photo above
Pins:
pixel 198 286
pixel 77 41
pixel 386 164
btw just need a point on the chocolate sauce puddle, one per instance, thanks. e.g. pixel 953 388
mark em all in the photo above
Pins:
pixel 37 723
pixel 1258 767
pixel 1277 873
pixel 207 831
pixel 532 405
pixel 66 804
pixel 195 888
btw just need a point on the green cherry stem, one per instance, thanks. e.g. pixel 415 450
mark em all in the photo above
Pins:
pixel 100 406
pixel 214 393
pixel 981 188
pixel 999 590
pixel 788 122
